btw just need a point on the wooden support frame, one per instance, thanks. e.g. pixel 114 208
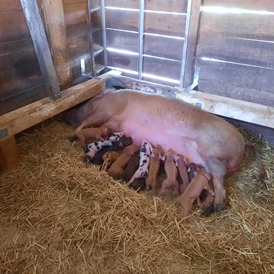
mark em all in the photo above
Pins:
pixel 41 46
pixel 32 114
pixel 56 29
pixel 93 72
pixel 9 154
pixel 191 39
pixel 231 108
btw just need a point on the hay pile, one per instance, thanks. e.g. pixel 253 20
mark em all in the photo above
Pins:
pixel 60 215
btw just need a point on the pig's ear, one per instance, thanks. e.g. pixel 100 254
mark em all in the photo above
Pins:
pixel 163 158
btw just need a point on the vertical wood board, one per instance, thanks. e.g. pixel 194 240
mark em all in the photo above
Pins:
pixel 38 35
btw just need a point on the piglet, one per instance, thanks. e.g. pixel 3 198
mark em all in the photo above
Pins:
pixel 100 133
pixel 194 190
pixel 138 184
pixel 122 143
pixel 151 181
pixel 142 171
pixel 132 166
pixel 192 167
pixel 116 170
pixel 109 158
pixel 92 148
pixel 182 168
pixel 171 172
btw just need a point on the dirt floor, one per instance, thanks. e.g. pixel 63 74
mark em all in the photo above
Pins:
pixel 60 215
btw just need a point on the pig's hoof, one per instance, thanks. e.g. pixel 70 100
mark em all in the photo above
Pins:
pixel 207 211
pixel 218 207
pixel 86 159
pixel 138 184
pixel 72 138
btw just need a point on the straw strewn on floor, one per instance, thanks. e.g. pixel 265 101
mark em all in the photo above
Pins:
pixel 60 215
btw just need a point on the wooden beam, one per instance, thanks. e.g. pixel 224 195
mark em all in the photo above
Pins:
pixel 41 46
pixel 191 38
pixel 56 29
pixel 9 155
pixel 32 114
pixel 231 108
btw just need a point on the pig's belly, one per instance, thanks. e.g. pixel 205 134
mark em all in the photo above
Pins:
pixel 156 135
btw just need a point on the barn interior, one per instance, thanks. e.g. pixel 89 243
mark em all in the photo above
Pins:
pixel 61 215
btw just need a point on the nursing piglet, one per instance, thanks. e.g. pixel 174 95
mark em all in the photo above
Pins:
pixel 151 181
pixel 116 170
pixel 92 148
pixel 182 168
pixel 142 171
pixel 100 133
pixel 171 172
pixel 194 190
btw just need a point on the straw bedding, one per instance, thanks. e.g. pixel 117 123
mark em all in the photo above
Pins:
pixel 60 215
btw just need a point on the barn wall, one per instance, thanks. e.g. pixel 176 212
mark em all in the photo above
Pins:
pixel 163 39
pixel 235 51
pixel 21 80
pixel 76 19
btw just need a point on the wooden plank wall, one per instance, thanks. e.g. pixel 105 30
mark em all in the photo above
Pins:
pixel 76 18
pixel 21 81
pixel 163 37
pixel 243 44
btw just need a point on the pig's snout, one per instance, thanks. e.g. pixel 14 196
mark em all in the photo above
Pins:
pixel 72 138
pixel 87 159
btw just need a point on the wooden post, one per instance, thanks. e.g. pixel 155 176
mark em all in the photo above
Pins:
pixel 191 39
pixel 41 46
pixel 9 155
pixel 56 29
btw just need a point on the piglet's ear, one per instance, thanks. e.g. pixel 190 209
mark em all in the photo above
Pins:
pixel 163 158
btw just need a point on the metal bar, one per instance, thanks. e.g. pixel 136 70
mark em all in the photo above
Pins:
pixel 189 4
pixel 104 33
pixel 141 37
pixel 41 46
pixel 91 50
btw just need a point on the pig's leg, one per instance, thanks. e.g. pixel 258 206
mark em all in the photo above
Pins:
pixel 96 119
pixel 217 168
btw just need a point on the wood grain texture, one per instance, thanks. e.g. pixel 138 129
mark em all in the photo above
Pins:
pixel 18 79
pixel 119 19
pixel 164 68
pixel 10 5
pixel 191 43
pixel 252 52
pixel 69 2
pixel 39 39
pixel 22 97
pixel 263 5
pixel 56 30
pixel 123 61
pixel 163 47
pixel 122 40
pixel 13 26
pixel 17 46
pixel 253 26
pixel 32 114
pixel 249 77
pixel 167 5
pixel 240 93
pixel 165 24
pixel 132 4
pixel 76 14
pixel 9 154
